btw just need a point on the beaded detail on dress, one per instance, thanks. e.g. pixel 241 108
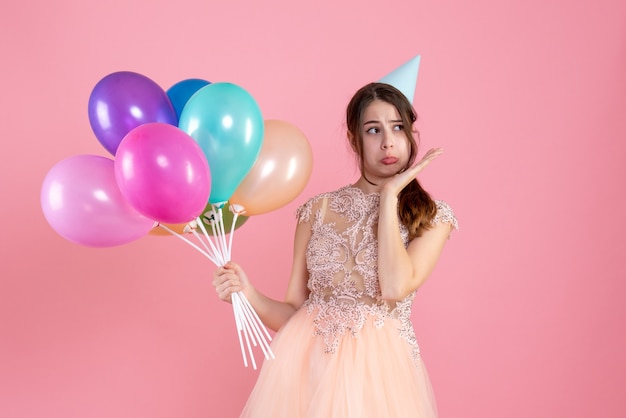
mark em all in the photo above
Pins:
pixel 341 259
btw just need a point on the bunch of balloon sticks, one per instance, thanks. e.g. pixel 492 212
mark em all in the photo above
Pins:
pixel 215 247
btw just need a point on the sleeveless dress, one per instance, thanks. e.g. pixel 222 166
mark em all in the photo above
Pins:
pixel 346 352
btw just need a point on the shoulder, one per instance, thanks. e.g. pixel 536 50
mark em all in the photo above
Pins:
pixel 304 211
pixel 445 215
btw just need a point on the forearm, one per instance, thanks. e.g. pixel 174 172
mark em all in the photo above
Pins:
pixel 395 269
pixel 273 313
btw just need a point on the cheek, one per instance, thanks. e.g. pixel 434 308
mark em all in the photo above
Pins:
pixel 405 148
pixel 369 148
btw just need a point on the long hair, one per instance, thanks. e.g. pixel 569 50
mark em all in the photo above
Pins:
pixel 416 209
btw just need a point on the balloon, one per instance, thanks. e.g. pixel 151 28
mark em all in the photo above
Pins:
pixel 227 217
pixel 180 92
pixel 82 202
pixel 227 124
pixel 163 173
pixel 124 100
pixel 280 172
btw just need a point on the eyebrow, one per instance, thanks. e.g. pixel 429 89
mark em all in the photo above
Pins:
pixel 375 121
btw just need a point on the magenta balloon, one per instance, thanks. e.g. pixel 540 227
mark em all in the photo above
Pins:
pixel 124 100
pixel 82 202
pixel 163 173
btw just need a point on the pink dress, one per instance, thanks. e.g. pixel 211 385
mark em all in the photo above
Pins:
pixel 346 352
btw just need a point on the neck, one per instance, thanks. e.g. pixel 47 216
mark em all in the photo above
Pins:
pixel 366 186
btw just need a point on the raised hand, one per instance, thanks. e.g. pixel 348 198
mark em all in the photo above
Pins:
pixel 395 184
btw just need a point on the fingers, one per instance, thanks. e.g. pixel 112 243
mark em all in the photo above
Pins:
pixel 226 282
pixel 226 289
pixel 432 154
pixel 426 159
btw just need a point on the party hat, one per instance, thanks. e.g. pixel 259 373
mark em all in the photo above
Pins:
pixel 404 77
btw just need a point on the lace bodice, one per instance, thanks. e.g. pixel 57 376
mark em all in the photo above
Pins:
pixel 341 259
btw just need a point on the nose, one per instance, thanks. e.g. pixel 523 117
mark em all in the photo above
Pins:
pixel 387 140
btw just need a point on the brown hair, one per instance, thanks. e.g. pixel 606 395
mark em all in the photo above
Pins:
pixel 416 209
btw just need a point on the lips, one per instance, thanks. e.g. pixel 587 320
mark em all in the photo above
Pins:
pixel 389 160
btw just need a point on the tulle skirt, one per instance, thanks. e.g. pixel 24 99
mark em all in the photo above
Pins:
pixel 374 374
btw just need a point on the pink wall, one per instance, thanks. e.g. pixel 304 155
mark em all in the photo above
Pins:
pixel 524 315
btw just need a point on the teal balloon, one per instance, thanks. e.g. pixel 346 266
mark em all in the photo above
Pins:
pixel 227 123
pixel 181 92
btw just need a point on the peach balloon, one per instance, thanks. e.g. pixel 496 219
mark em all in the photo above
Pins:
pixel 280 172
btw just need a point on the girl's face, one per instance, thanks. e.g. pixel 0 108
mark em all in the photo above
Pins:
pixel 386 147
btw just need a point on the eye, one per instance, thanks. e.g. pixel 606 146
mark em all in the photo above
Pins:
pixel 398 127
pixel 373 130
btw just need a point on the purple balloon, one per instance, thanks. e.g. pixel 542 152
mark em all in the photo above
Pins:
pixel 163 173
pixel 124 100
pixel 83 203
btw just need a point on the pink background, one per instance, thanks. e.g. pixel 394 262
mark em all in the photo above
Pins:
pixel 524 315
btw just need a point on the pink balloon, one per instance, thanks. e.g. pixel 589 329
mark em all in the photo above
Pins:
pixel 163 173
pixel 82 202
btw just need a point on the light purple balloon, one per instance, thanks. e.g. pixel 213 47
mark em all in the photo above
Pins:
pixel 123 100
pixel 163 173
pixel 83 203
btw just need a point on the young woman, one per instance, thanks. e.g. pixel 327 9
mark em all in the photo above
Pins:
pixel 345 345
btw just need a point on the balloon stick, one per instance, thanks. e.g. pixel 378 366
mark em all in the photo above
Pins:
pixel 188 242
pixel 218 254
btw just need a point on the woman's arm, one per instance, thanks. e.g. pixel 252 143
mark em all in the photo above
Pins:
pixel 400 270
pixel 232 278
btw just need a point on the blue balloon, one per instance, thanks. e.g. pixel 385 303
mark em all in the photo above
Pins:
pixel 226 121
pixel 180 92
